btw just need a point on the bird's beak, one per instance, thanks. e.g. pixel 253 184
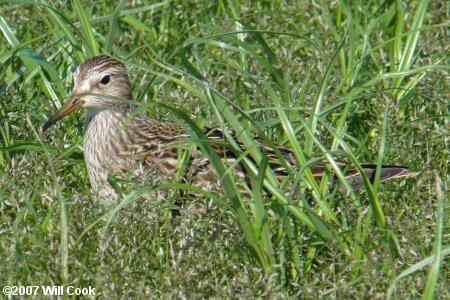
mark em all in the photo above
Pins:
pixel 72 104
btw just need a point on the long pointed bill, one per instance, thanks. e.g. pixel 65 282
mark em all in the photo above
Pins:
pixel 72 104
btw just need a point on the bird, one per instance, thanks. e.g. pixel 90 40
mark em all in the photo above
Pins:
pixel 120 142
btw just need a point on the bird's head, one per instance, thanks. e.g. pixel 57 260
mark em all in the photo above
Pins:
pixel 100 83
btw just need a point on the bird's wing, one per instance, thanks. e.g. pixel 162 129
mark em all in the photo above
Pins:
pixel 157 143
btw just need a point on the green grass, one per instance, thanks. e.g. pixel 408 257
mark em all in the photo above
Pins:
pixel 358 80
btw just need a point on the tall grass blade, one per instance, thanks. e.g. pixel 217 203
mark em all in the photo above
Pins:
pixel 65 25
pixel 229 187
pixel 31 64
pixel 64 229
pixel 410 45
pixel 415 268
pixel 381 148
pixel 113 26
pixel 438 256
pixel 87 30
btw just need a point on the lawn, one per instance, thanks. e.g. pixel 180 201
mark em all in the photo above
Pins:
pixel 357 81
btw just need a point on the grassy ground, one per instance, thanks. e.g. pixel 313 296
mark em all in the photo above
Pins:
pixel 352 80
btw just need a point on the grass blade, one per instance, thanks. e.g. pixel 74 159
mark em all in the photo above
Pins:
pixel 438 256
pixel 87 30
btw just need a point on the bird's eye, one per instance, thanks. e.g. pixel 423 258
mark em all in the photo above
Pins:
pixel 106 79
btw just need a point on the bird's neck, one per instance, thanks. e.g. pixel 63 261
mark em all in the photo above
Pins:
pixel 113 118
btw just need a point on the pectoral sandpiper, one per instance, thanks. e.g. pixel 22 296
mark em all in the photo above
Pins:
pixel 119 142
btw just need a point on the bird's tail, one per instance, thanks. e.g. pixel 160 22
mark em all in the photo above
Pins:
pixel 387 172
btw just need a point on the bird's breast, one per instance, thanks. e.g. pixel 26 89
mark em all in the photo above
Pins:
pixel 106 145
